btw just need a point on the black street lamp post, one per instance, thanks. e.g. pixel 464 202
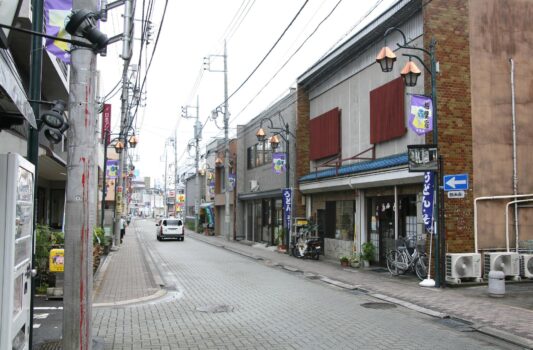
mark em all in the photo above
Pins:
pixel 119 147
pixel 285 134
pixel 410 73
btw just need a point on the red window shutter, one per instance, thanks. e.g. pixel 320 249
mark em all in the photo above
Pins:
pixel 387 116
pixel 325 137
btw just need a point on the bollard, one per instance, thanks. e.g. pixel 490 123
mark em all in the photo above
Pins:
pixel 496 284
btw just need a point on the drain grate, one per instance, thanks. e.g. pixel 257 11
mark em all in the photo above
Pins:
pixel 215 308
pixel 53 345
pixel 378 306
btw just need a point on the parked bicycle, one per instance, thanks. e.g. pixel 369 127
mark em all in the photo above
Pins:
pixel 399 260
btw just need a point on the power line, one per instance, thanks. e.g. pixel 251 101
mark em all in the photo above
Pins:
pixel 289 59
pixel 269 51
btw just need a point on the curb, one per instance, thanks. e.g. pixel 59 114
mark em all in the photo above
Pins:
pixel 160 293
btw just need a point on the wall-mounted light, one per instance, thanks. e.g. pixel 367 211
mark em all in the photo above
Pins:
pixel 56 135
pixel 83 23
pixel 54 117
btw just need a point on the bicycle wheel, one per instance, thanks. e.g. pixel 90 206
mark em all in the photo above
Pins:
pixel 396 263
pixel 421 267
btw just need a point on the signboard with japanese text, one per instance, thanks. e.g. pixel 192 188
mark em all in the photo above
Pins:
pixel 106 123
pixel 421 115
pixel 286 195
pixel 427 201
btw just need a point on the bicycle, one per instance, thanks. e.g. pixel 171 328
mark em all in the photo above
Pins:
pixel 399 261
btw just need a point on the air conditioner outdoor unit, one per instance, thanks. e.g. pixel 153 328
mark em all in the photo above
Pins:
pixel 462 266
pixel 254 186
pixel 526 265
pixel 508 263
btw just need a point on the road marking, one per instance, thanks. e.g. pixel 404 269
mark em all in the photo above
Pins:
pixel 48 308
pixel 36 325
pixel 40 316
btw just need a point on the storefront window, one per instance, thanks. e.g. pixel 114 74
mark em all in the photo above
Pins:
pixel 344 220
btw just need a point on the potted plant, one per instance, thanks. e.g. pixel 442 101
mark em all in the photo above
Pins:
pixel 368 251
pixel 354 261
pixel 345 260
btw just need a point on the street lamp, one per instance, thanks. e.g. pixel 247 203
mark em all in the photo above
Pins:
pixel 119 147
pixel 285 134
pixel 410 73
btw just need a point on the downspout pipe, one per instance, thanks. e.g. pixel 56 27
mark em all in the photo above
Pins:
pixel 515 168
pixel 507 221
pixel 491 198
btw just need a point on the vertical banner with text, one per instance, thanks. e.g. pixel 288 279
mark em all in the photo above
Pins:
pixel 427 201
pixel 286 194
pixel 106 123
pixel 279 163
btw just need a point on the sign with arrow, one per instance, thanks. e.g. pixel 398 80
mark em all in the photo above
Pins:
pixel 457 182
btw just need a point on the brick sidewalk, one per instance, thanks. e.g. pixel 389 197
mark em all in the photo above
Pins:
pixel 126 275
pixel 505 318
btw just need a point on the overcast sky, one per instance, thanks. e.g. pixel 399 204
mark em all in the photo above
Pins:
pixel 195 29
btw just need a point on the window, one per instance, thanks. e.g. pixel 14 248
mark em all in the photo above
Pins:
pixel 260 154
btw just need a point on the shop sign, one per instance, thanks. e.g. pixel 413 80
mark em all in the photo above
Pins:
pixel 286 194
pixel 57 260
pixel 428 201
pixel 422 158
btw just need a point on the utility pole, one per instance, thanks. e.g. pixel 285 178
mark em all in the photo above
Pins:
pixel 197 138
pixel 77 298
pixel 175 170
pixel 226 142
pixel 127 40
pixel 165 194
pixel 207 66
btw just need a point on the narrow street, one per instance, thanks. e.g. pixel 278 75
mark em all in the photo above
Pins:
pixel 220 300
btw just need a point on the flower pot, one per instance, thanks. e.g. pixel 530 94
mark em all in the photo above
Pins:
pixel 356 264
pixel 345 263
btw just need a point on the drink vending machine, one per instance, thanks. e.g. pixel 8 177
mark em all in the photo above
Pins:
pixel 16 231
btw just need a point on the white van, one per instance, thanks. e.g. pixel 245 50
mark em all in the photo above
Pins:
pixel 170 228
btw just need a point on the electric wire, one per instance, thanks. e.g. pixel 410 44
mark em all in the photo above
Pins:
pixel 288 60
pixel 268 53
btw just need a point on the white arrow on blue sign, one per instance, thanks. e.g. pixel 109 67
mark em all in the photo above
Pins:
pixel 457 182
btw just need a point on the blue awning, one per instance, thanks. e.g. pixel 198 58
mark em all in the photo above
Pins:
pixel 377 164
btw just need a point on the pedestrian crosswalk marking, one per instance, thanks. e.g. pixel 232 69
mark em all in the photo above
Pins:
pixel 40 316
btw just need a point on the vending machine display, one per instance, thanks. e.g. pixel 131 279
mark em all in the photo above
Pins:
pixel 16 228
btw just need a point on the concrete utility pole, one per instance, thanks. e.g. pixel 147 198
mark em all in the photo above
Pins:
pixel 127 40
pixel 197 138
pixel 175 170
pixel 77 298
pixel 226 142
pixel 166 167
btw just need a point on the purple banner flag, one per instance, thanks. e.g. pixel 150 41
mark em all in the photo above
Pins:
pixel 278 163
pixel 421 115
pixel 55 13
pixel 112 169
pixel 427 201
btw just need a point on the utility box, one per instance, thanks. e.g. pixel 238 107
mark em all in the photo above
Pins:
pixel 17 182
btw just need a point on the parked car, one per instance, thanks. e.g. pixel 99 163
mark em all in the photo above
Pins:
pixel 170 228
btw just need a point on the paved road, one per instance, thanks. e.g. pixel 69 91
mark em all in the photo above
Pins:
pixel 220 300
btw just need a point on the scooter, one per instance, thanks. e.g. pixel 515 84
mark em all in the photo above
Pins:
pixel 304 247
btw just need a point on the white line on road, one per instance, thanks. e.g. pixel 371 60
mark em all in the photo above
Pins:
pixel 48 308
pixel 40 316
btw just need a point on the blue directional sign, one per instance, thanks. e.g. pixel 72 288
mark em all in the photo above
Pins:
pixel 457 182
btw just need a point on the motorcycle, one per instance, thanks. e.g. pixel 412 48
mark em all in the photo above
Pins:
pixel 306 247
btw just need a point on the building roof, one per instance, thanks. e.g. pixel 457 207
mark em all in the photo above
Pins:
pixel 360 167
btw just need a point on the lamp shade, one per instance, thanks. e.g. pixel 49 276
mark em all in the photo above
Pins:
pixel 260 135
pixel 386 59
pixel 133 141
pixel 274 142
pixel 119 147
pixel 410 73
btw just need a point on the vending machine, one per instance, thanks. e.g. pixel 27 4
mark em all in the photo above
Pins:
pixel 16 227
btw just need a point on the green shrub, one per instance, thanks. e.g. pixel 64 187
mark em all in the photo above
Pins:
pixel 368 251
pixel 99 236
